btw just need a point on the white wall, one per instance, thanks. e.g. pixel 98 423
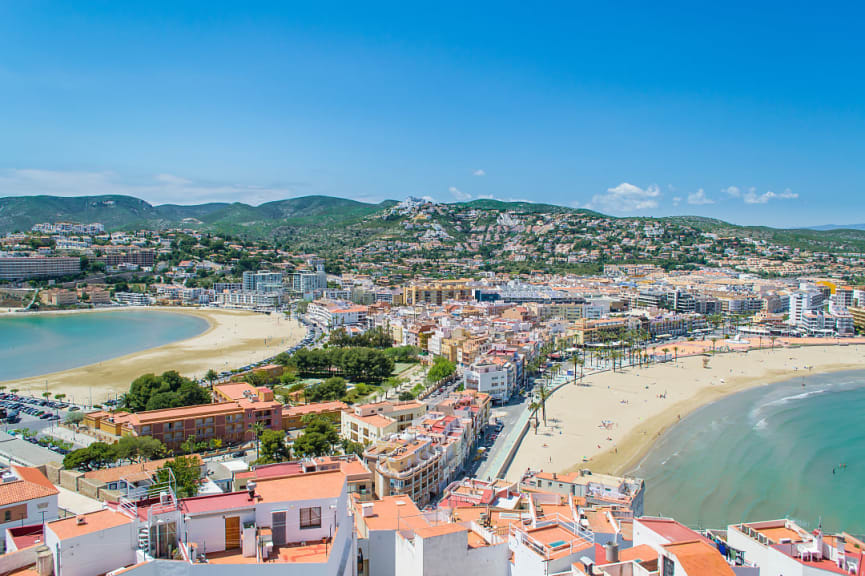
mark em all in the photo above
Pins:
pixel 208 531
pixel 94 553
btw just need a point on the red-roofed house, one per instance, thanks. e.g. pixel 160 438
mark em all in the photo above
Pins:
pixel 26 497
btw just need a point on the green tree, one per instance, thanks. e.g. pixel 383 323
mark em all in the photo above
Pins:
pixel 317 439
pixel 331 389
pixel 351 447
pixel 74 418
pixel 187 475
pixel 273 447
pixel 441 368
pixel 211 376
pixel 169 390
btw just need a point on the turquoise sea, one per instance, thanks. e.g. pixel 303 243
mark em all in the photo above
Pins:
pixel 794 449
pixel 35 344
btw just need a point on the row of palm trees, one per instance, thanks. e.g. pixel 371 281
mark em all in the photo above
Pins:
pixel 615 350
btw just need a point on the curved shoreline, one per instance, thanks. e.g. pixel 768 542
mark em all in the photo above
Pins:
pixel 233 338
pixel 643 403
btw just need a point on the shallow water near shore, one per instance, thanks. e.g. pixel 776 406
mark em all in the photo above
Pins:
pixel 36 344
pixel 793 449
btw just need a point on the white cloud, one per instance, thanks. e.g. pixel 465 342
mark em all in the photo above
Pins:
pixel 156 189
pixel 699 198
pixel 751 196
pixel 732 191
pixel 626 198
pixel 459 194
pixel 479 172
pixel 676 200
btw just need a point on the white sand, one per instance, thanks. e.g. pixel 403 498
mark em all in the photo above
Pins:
pixel 574 437
pixel 234 339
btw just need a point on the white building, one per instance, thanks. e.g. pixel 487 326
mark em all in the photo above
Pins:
pixel 333 313
pixel 802 301
pixel 26 497
pixel 493 376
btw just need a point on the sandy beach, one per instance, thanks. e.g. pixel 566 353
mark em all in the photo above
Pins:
pixel 235 338
pixel 610 424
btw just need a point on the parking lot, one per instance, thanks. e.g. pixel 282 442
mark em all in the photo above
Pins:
pixel 38 415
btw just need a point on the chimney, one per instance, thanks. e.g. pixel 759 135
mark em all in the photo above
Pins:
pixel 611 551
pixel 250 488
pixel 80 520
pixel 44 561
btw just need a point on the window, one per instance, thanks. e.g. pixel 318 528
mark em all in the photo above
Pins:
pixel 669 567
pixel 310 517
pixel 7 515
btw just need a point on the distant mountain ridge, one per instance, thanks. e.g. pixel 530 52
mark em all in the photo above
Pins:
pixel 338 222
pixel 826 227
pixel 118 212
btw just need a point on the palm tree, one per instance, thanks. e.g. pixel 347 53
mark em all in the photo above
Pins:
pixel 533 408
pixel 46 395
pixel 676 352
pixel 257 429
pixel 666 352
pixel 543 394
pixel 714 339
pixel 211 376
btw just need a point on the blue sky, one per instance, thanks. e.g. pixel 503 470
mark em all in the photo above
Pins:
pixel 750 112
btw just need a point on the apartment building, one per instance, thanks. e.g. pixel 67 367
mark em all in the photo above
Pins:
pixel 333 313
pixel 436 293
pixel 407 464
pixel 805 300
pixel 597 489
pixel 492 375
pixel 784 547
pixel 25 268
pixel 232 422
pixel 262 281
pixel 58 297
pixel 468 404
pixel 133 298
pixel 368 423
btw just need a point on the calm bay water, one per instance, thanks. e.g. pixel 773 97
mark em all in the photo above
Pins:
pixel 784 450
pixel 31 345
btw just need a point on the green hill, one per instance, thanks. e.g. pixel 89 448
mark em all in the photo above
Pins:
pixel 125 212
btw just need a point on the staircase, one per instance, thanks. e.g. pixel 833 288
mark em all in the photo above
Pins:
pixel 144 540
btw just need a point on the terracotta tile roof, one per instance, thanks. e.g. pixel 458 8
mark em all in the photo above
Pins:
pixel 697 557
pixel 29 487
pixel 87 523
pixel 132 472
pixel 33 475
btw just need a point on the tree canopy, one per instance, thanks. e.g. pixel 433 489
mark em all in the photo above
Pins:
pixel 317 439
pixel 356 364
pixel 169 390
pixel 187 475
pixel 331 389
pixel 273 447
pixel 441 368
